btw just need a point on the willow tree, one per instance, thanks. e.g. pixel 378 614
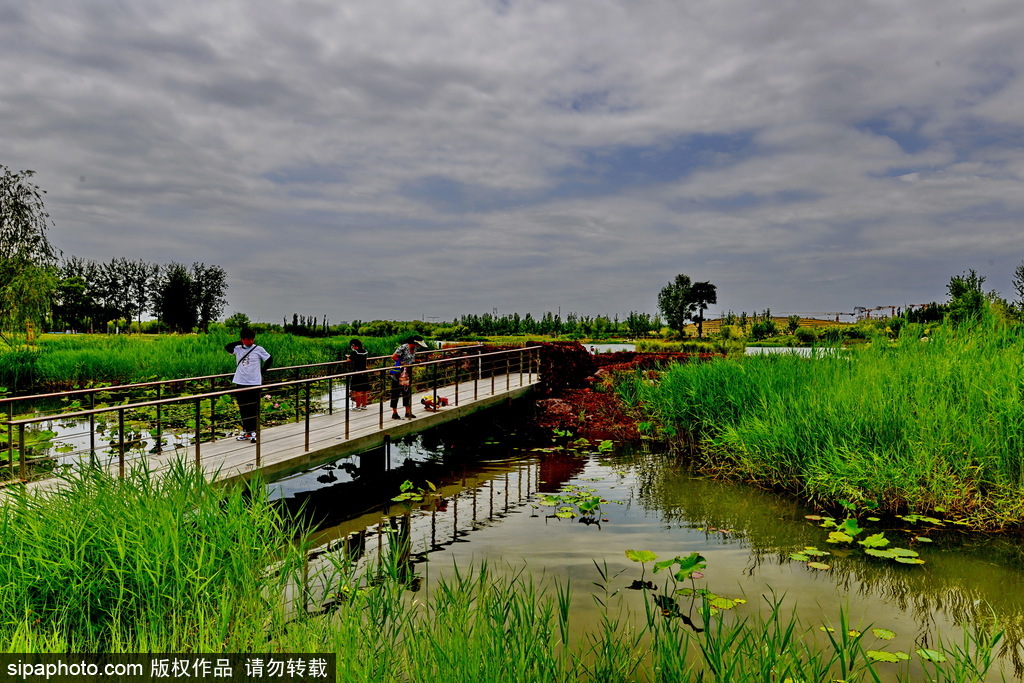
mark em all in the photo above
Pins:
pixel 27 260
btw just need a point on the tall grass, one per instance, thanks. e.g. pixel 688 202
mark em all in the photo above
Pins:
pixel 63 361
pixel 178 566
pixel 919 424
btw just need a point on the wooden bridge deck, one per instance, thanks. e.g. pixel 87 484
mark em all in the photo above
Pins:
pixel 286 449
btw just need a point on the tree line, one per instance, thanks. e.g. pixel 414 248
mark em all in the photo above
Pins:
pixel 89 294
pixel 37 286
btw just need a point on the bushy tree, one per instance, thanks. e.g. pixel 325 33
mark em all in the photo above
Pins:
pixel 175 300
pixel 682 300
pixel 966 297
pixel 27 259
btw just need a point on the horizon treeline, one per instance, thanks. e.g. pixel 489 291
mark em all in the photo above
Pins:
pixel 91 294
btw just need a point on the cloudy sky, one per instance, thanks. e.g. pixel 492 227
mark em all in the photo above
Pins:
pixel 426 158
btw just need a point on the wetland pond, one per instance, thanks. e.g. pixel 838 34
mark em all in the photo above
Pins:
pixel 498 495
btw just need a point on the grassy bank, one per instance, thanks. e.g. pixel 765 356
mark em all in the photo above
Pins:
pixel 178 566
pixel 919 424
pixel 64 361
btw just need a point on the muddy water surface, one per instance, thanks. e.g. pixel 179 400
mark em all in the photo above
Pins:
pixel 492 487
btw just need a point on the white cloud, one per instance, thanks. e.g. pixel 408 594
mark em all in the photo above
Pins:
pixel 370 159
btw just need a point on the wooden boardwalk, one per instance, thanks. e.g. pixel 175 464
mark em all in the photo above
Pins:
pixel 287 449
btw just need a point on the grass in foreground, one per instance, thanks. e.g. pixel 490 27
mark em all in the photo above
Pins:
pixel 179 566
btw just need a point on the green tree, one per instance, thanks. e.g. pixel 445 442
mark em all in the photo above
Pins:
pixel 1018 287
pixel 210 285
pixel 966 297
pixel 27 260
pixel 175 301
pixel 703 294
pixel 675 303
pixel 682 300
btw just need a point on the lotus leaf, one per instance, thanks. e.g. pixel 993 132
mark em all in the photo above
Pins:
pixel 839 537
pixel 887 554
pixel 641 555
pixel 850 527
pixel 903 552
pixel 726 603
pixel 875 541
pixel 799 557
pixel 819 565
pixel 883 633
pixel 883 656
pixel 931 655
pixel 909 560
pixel 922 539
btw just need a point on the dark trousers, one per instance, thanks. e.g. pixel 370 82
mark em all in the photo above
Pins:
pixel 248 407
pixel 398 390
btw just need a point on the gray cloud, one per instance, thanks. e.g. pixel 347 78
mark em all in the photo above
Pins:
pixel 404 158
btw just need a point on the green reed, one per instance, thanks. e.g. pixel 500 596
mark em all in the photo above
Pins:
pixel 920 424
pixel 64 361
pixel 177 565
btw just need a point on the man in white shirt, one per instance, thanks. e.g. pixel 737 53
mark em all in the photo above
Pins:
pixel 250 361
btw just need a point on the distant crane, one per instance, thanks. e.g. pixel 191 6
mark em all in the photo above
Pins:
pixel 865 313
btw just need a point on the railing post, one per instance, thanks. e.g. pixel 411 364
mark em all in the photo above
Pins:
pixel 120 443
pixel 458 369
pixel 434 381
pixel 508 372
pixel 307 414
pixel 492 361
pixel 330 395
pixel 92 427
pixel 383 395
pixel 296 397
pixel 259 423
pixel 10 438
pixel 213 411
pixel 159 420
pixel 476 375
pixel 22 465
pixel 199 428
pixel 348 395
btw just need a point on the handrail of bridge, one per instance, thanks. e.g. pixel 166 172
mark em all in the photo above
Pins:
pixel 461 361
pixel 10 401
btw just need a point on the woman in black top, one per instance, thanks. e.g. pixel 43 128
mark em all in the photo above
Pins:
pixel 360 386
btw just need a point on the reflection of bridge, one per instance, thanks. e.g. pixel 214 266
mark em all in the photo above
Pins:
pixel 135 432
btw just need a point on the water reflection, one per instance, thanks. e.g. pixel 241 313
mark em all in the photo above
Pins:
pixel 488 507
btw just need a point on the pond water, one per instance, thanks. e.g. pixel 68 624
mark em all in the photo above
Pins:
pixel 492 485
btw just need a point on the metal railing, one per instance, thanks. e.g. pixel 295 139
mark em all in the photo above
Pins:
pixel 195 418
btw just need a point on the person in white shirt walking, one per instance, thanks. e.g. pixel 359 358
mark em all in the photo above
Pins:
pixel 250 361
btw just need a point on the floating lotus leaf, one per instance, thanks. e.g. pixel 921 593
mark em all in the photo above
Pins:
pixel 922 539
pixel 875 541
pixel 819 565
pixel 887 554
pixel 799 557
pixel 641 555
pixel 814 552
pixel 826 629
pixel 853 633
pixel 883 633
pixel 565 514
pixel 839 537
pixel 903 552
pixel 726 603
pixel 931 655
pixel 850 527
pixel 550 500
pixel 813 518
pixel 874 519
pixel 883 656
pixel 909 560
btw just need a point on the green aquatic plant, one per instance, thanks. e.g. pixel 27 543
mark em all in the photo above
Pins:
pixel 411 493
